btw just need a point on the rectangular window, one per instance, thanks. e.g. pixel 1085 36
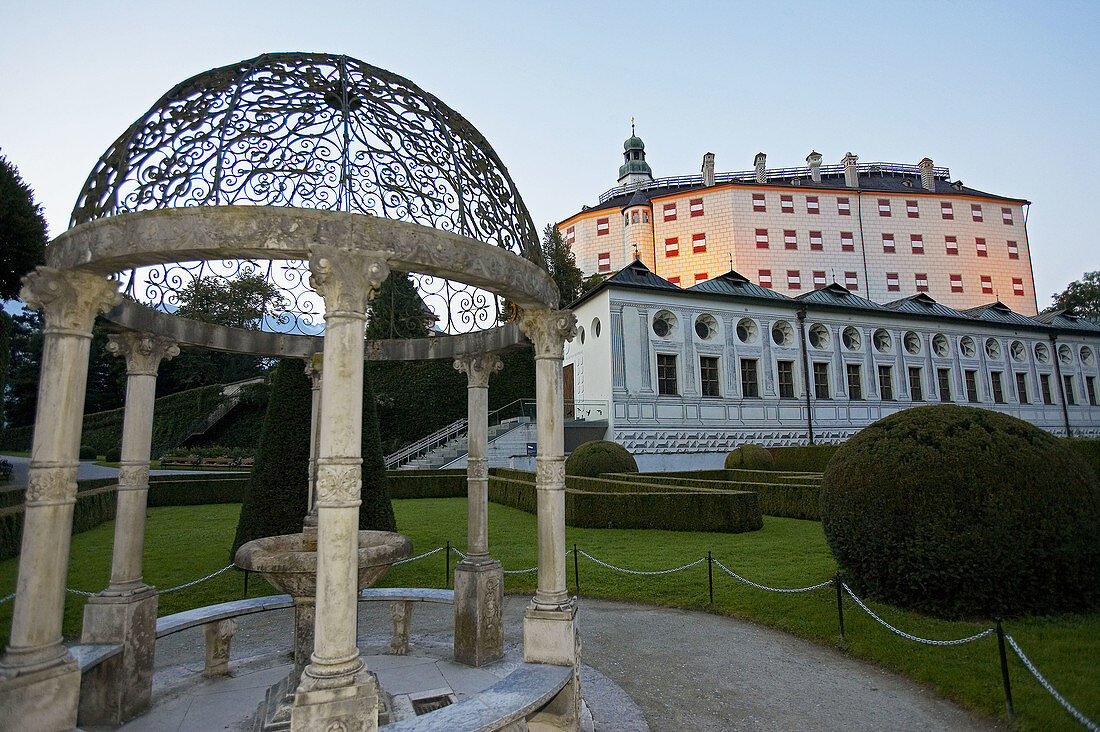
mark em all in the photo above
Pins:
pixel 911 210
pixel 987 285
pixel 786 204
pixel 785 373
pixel 947 211
pixel 855 382
pixel 672 247
pixel 603 261
pixel 851 281
pixel 570 235
pixel 674 281
pixel 921 281
pixel 998 387
pixel 758 203
pixel 821 380
pixel 971 385
pixel 815 241
pixel 892 283
pixel 1013 250
pixel 1006 216
pixel 843 208
pixel 670 212
pixel 1021 388
pixel 1044 386
pixel 812 206
pixel 790 239
pixel 884 207
pixel 750 383
pixel 700 277
pixel 696 205
pixel 666 374
pixel 794 279
pixel 1017 286
pixel 1090 387
pixel 951 243
pixel 943 379
pixel 888 243
pixel 761 238
pixel 976 211
pixel 846 242
pixel 1067 382
pixel 916 241
pixel 956 282
pixel 708 376
pixel 886 383
pixel 602 227
pixel 765 278
pixel 819 278
pixel 916 388
pixel 979 245
pixel 698 242
pixel 645 217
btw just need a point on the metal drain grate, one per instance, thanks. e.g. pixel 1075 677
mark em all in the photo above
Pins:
pixel 430 704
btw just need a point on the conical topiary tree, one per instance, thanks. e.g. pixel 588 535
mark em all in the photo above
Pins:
pixel 376 511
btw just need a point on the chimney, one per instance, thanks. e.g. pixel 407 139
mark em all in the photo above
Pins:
pixel 708 169
pixel 851 172
pixel 761 172
pixel 814 161
pixel 927 177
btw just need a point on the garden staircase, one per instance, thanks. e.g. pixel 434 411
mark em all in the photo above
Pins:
pixel 231 397
pixel 432 453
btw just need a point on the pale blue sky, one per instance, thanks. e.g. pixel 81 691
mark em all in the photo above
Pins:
pixel 1005 94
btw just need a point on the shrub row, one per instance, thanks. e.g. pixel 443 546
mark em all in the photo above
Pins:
pixel 426 483
pixel 807 458
pixel 1087 450
pixel 779 498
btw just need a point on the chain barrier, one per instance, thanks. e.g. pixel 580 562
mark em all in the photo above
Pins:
pixel 1046 685
pixel 903 634
pixel 421 556
pixel 82 593
pixel 190 584
pixel 519 571
pixel 7 598
pixel 733 574
pixel 632 571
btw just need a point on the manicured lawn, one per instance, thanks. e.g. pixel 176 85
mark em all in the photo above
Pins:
pixel 186 543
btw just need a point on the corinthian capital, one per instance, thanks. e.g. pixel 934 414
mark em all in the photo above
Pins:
pixel 346 280
pixel 69 300
pixel 143 351
pixel 478 368
pixel 548 330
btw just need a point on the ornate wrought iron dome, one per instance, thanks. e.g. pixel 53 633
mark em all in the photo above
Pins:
pixel 316 131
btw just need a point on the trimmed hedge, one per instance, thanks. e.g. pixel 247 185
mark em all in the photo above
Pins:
pixel 787 499
pixel 959 511
pixel 807 458
pixel 426 483
pixel 1088 450
pixel 600 456
pixel 751 457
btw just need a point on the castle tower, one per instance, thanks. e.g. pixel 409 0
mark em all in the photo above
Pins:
pixel 634 169
pixel 638 230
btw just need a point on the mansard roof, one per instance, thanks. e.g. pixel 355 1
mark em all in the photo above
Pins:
pixel 735 283
pixel 837 294
pixel 998 312
pixel 923 304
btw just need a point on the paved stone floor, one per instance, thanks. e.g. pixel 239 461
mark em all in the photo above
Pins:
pixel 646 668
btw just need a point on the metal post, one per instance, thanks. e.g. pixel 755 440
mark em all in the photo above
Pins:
pixel 246 584
pixel 839 603
pixel 576 570
pixel 710 577
pixel 447 571
pixel 1004 667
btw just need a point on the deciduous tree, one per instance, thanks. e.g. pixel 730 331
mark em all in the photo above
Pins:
pixel 1083 296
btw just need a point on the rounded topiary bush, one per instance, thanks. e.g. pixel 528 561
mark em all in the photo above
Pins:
pixel 962 512
pixel 600 456
pixel 87 452
pixel 750 457
pixel 113 455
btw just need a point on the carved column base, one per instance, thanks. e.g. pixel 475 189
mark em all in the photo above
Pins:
pixel 550 636
pixel 48 696
pixel 120 688
pixel 479 598
pixel 349 708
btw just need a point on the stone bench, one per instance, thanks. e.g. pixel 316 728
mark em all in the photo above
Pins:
pixel 506 703
pixel 90 655
pixel 403 601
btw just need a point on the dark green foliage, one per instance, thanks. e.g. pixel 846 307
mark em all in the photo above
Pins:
pixel 106 385
pixel 113 455
pixel 5 352
pixel 406 414
pixel 1087 450
pixel 751 457
pixel 198 489
pixel 426 483
pixel 22 230
pixel 278 489
pixel 562 265
pixel 397 311
pixel 241 427
pixel 808 458
pixel 958 511
pixel 600 456
pixel 1082 296
pixel 25 355
pixel 376 511
pixel 792 495
pixel 87 452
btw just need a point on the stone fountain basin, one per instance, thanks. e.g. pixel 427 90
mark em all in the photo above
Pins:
pixel 289 562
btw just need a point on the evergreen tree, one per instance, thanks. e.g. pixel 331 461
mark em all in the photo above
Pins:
pixel 376 511
pixel 562 265
pixel 21 394
pixel 22 231
pixel 397 311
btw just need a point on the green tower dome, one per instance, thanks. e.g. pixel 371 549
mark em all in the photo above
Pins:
pixel 634 168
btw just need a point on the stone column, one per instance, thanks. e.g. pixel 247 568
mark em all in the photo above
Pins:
pixel 39 679
pixel 336 691
pixel 126 612
pixel 549 632
pixel 479 579
pixel 313 371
